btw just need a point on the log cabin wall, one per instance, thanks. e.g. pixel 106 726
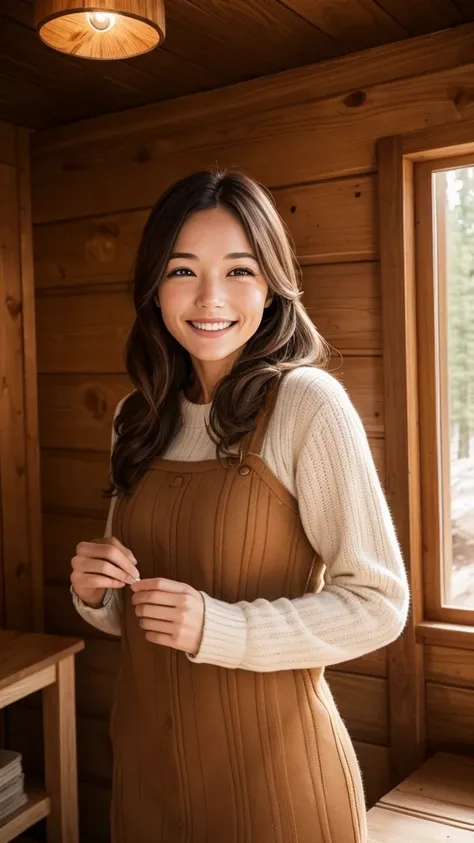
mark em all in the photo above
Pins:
pixel 21 575
pixel 310 135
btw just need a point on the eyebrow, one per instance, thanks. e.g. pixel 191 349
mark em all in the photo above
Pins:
pixel 232 256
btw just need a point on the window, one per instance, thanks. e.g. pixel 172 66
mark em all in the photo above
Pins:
pixel 444 208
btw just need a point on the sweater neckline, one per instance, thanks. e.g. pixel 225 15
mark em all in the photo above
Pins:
pixel 194 415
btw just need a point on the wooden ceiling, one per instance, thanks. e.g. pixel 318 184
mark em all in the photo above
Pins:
pixel 209 44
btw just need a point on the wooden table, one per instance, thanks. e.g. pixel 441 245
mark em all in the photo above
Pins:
pixel 32 662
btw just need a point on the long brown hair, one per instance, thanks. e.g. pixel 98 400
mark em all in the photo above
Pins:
pixel 160 368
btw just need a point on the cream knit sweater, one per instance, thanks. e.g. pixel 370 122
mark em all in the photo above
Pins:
pixel 317 447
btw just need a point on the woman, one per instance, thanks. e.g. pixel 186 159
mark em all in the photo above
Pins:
pixel 249 524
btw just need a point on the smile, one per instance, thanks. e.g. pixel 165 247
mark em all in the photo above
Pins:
pixel 211 329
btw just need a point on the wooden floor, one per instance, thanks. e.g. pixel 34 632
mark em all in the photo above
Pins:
pixel 434 805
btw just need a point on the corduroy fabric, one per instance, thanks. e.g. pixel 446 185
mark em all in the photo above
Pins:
pixel 205 754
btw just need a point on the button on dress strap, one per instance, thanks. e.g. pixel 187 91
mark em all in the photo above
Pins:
pixel 263 419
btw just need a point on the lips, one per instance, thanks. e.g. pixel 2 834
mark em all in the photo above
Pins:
pixel 214 331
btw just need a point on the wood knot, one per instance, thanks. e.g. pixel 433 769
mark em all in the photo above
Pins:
pixel 13 306
pixel 101 245
pixel 95 402
pixel 462 98
pixel 356 99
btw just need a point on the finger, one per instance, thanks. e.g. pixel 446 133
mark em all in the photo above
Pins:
pixel 163 585
pixel 115 543
pixel 162 639
pixel 86 566
pixel 159 613
pixel 96 582
pixel 151 625
pixel 158 598
pixel 105 550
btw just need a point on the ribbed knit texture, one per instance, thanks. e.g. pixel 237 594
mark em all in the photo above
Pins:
pixel 317 447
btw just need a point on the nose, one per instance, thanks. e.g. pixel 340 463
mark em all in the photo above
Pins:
pixel 210 293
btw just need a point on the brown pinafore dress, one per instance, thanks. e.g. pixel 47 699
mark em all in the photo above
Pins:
pixel 204 754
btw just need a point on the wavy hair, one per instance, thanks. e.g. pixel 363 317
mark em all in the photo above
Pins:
pixel 160 368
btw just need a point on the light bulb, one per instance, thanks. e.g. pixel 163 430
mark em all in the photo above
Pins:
pixel 101 21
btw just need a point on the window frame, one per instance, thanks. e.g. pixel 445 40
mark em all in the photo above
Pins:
pixel 396 159
pixel 433 389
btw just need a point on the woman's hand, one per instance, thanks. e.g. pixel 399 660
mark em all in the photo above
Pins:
pixel 101 564
pixel 171 613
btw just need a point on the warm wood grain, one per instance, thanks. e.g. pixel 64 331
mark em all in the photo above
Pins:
pixel 24 654
pixel 20 688
pixel 375 767
pixel 74 480
pixel 317 140
pixel 449 665
pixel 140 30
pixel 19 486
pixel 442 789
pixel 329 223
pixel 30 376
pixel 449 716
pixel 342 299
pixel 419 19
pixel 446 634
pixel 76 411
pixel 402 486
pixel 37 807
pixel 438 51
pixel 359 24
pixel 438 794
pixel 372 664
pixel 60 763
pixel 18 595
pixel 84 333
pixel 387 827
pixel 363 704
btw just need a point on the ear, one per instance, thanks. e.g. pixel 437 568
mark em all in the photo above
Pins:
pixel 269 300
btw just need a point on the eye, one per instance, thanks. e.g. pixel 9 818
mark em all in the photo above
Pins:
pixel 242 270
pixel 180 272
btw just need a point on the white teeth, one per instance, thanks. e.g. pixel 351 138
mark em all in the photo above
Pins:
pixel 211 326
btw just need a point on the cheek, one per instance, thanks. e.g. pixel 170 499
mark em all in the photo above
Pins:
pixel 173 301
pixel 252 301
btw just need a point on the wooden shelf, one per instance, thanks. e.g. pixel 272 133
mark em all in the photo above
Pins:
pixel 37 808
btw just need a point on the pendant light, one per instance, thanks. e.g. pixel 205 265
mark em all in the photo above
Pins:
pixel 104 29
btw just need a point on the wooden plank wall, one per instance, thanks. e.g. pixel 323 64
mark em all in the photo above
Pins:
pixel 309 135
pixel 21 575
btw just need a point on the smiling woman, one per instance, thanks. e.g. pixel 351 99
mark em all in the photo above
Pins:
pixel 218 294
pixel 223 254
pixel 249 521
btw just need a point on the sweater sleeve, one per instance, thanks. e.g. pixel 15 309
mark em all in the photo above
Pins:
pixel 364 602
pixel 106 617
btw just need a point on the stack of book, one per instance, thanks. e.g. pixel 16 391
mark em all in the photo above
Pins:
pixel 12 783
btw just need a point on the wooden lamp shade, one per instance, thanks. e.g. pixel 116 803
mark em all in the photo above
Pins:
pixel 104 29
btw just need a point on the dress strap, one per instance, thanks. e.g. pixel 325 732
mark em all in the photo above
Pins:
pixel 263 418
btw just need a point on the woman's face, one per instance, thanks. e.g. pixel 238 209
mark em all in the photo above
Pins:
pixel 213 293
